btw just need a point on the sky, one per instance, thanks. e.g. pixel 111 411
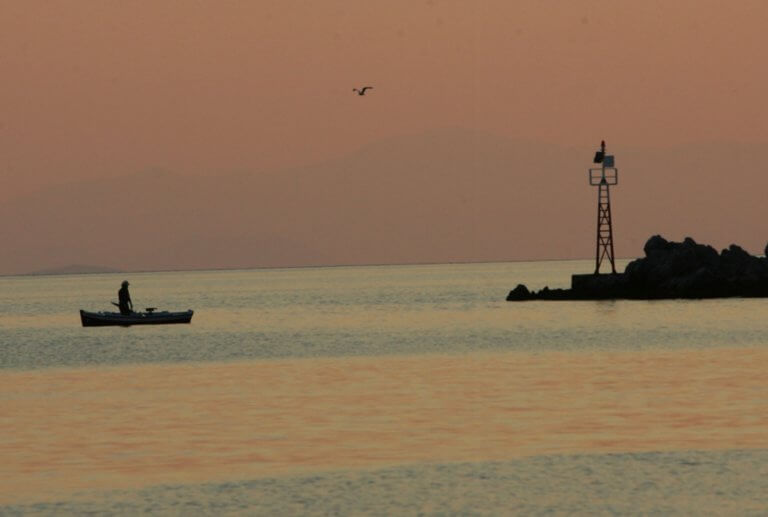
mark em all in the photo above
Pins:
pixel 193 118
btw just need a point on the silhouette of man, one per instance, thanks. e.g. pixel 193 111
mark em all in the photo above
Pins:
pixel 124 299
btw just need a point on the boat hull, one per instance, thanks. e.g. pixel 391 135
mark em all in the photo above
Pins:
pixel 115 319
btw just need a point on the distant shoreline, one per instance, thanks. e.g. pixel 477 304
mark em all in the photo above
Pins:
pixel 73 269
pixel 96 270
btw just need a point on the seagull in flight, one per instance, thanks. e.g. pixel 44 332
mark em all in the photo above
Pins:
pixel 362 90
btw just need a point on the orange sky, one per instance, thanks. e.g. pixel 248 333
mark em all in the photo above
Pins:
pixel 108 89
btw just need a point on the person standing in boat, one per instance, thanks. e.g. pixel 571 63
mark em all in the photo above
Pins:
pixel 124 299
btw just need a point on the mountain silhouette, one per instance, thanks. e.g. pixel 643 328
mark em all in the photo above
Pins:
pixel 442 196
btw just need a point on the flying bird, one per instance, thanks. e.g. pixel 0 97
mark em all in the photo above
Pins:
pixel 362 90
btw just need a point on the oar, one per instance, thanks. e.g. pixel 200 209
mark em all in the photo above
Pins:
pixel 118 306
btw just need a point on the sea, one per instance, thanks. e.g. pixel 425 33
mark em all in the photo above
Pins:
pixel 379 390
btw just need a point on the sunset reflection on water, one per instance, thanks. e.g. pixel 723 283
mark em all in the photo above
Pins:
pixel 66 431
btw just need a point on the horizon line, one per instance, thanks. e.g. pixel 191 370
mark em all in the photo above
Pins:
pixel 317 266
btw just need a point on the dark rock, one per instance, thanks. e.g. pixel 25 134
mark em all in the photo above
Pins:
pixel 702 283
pixel 669 270
pixel 657 243
pixel 519 293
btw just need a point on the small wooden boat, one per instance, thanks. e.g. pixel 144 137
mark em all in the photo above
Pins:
pixel 150 317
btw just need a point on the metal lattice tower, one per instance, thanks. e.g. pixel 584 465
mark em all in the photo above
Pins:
pixel 603 178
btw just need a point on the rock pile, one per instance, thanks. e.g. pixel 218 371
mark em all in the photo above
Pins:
pixel 669 270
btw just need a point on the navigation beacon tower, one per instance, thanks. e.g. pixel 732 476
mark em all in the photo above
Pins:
pixel 603 177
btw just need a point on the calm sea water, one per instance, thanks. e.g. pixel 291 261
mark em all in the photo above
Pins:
pixel 379 390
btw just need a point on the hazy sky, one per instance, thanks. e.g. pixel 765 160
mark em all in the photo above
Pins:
pixel 113 89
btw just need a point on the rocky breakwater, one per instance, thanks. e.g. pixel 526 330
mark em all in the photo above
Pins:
pixel 668 270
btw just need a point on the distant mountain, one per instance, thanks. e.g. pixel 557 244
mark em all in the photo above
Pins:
pixel 443 196
pixel 451 195
pixel 75 269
